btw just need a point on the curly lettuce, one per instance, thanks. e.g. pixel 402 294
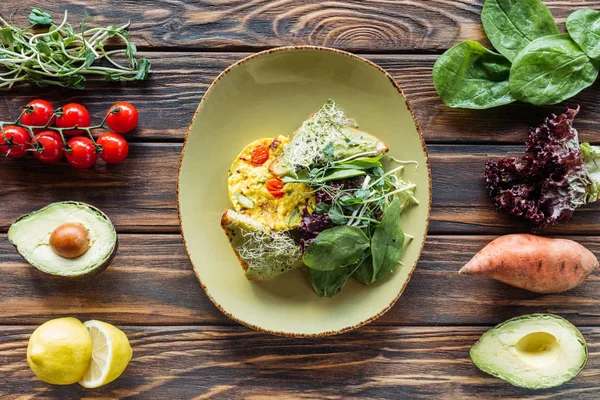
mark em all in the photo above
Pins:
pixel 552 179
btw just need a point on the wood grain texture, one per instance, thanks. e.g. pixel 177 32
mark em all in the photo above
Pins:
pixel 234 363
pixel 168 100
pixel 151 282
pixel 356 25
pixel 140 195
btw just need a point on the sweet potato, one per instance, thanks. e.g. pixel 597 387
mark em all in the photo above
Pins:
pixel 534 263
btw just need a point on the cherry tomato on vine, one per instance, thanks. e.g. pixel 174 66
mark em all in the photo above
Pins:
pixel 48 147
pixel 38 113
pixel 260 155
pixel 114 147
pixel 82 153
pixel 274 186
pixel 123 119
pixel 73 115
pixel 15 141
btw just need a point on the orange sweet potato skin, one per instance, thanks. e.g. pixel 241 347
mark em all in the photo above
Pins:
pixel 534 263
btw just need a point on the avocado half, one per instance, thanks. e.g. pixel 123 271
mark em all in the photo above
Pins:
pixel 30 234
pixel 535 351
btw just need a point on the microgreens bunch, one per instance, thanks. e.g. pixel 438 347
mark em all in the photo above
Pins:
pixel 63 57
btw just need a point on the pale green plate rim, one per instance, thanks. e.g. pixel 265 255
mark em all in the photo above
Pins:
pixel 423 146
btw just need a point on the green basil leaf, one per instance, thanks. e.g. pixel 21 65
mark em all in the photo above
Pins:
pixel 471 76
pixel 584 28
pixel 387 241
pixel 39 17
pixel 512 24
pixel 336 247
pixel 550 70
pixel 328 283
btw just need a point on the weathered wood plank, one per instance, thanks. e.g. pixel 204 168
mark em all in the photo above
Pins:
pixel 373 26
pixel 168 100
pixel 140 195
pixel 151 282
pixel 234 363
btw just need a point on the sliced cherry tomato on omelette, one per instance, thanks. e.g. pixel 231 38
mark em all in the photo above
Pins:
pixel 260 155
pixel 274 186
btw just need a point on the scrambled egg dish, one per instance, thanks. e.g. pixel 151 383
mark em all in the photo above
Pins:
pixel 255 192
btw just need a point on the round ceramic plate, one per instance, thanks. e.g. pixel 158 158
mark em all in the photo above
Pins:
pixel 268 94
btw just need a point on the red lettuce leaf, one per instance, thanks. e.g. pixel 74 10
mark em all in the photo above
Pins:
pixel 549 182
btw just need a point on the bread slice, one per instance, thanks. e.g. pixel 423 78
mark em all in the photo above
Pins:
pixel 263 253
pixel 326 136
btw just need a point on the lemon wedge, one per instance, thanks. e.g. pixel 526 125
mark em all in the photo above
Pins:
pixel 111 353
pixel 59 351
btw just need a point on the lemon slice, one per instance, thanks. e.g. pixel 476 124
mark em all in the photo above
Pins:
pixel 111 353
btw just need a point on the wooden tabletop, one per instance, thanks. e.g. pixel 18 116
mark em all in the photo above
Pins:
pixel 183 346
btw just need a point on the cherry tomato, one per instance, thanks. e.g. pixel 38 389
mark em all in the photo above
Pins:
pixel 40 113
pixel 15 142
pixel 73 115
pixel 114 147
pixel 50 145
pixel 124 119
pixel 260 155
pixel 274 187
pixel 83 152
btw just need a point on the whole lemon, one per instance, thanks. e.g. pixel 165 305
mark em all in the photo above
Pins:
pixel 60 351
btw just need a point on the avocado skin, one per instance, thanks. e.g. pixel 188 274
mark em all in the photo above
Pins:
pixel 98 269
pixel 525 317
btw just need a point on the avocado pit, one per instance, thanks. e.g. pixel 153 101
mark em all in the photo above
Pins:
pixel 70 240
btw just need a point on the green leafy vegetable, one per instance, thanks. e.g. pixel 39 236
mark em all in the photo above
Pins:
pixel 60 56
pixel 471 76
pixel 329 283
pixel 364 273
pixel 512 24
pixel 387 241
pixel 550 70
pixel 584 28
pixel 336 247
pixel 39 17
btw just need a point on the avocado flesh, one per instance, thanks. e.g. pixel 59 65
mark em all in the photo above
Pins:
pixel 532 351
pixel 30 234
pixel 326 136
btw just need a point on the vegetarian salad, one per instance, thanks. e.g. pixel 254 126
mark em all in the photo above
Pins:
pixel 320 200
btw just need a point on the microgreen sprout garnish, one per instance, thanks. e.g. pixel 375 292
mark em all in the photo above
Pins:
pixel 275 249
pixel 62 56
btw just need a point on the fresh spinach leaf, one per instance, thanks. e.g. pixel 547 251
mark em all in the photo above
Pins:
pixel 387 241
pixel 584 28
pixel 550 70
pixel 512 24
pixel 328 283
pixel 39 17
pixel 364 273
pixel 336 247
pixel 471 76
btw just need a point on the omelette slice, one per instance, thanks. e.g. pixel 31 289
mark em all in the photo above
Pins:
pixel 326 136
pixel 256 193
pixel 262 252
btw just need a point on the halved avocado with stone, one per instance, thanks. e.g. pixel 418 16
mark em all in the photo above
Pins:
pixel 534 351
pixel 69 239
